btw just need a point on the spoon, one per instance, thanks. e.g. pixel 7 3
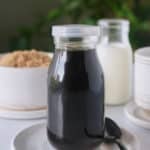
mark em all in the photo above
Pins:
pixel 112 134
pixel 112 128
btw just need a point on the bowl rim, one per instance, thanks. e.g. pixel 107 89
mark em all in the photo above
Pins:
pixel 143 54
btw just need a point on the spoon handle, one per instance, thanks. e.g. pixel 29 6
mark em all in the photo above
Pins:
pixel 120 145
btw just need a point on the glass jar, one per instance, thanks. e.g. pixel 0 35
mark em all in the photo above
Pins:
pixel 75 89
pixel 115 54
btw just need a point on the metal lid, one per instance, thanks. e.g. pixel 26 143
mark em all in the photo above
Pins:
pixel 75 30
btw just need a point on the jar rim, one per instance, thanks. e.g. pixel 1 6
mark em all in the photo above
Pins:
pixel 113 23
pixel 74 30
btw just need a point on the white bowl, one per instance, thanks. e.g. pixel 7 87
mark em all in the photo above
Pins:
pixel 142 77
pixel 23 88
pixel 143 54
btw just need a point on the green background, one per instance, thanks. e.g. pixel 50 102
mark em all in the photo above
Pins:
pixel 86 12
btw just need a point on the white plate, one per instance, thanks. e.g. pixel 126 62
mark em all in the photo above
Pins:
pixel 12 114
pixel 138 115
pixel 34 138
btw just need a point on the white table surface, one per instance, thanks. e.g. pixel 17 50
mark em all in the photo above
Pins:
pixel 9 128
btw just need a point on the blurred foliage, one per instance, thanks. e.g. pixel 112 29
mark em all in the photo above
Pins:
pixel 88 12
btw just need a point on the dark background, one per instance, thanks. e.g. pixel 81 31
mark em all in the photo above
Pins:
pixel 25 24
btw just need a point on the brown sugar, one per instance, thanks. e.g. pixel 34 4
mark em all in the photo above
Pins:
pixel 25 58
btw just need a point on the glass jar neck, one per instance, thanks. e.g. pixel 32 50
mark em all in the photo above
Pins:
pixel 75 43
pixel 114 35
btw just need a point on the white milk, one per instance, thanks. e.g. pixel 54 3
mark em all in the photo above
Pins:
pixel 116 61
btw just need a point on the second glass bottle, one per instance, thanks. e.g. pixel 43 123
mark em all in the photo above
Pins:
pixel 115 54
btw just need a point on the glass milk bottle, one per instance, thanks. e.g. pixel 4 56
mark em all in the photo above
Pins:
pixel 115 54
